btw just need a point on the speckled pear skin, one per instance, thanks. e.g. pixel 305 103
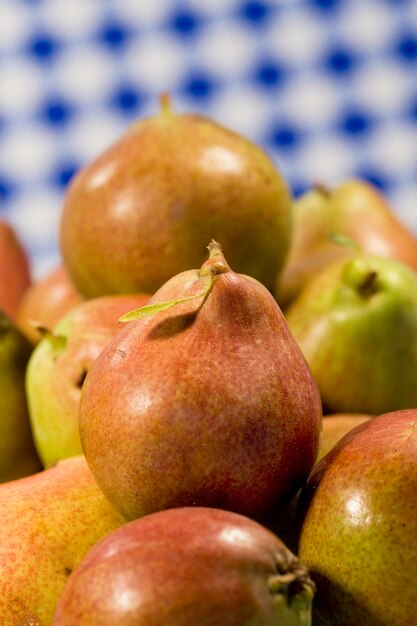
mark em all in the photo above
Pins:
pixel 48 522
pixel 354 209
pixel 209 403
pixel 18 456
pixel 15 275
pixel 359 537
pixel 160 193
pixel 188 567
pixel 356 323
pixel 56 371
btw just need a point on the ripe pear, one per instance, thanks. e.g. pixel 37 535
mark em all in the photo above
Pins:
pixel 354 209
pixel 335 426
pixel 359 534
pixel 285 523
pixel 45 302
pixel 18 456
pixel 207 402
pixel 48 522
pixel 15 275
pixel 356 323
pixel 58 366
pixel 184 567
pixel 160 193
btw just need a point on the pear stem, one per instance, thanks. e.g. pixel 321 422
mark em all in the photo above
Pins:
pixel 322 189
pixel 216 263
pixel 165 102
pixel 368 286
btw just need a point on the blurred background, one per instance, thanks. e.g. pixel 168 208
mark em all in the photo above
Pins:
pixel 327 87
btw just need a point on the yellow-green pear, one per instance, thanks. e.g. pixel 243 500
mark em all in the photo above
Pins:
pixel 18 456
pixel 48 522
pixel 356 324
pixel 58 366
pixel 354 209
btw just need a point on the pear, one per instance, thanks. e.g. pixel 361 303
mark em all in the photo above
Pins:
pixel 207 402
pixel 45 302
pixel 48 522
pixel 15 275
pixel 354 209
pixel 159 194
pixel 58 366
pixel 18 456
pixel 356 323
pixel 359 530
pixel 184 567
pixel 284 522
pixel 336 426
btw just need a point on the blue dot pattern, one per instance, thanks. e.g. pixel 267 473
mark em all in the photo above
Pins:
pixel 327 87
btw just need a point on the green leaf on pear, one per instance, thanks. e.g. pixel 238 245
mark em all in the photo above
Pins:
pixel 151 309
pixel 343 240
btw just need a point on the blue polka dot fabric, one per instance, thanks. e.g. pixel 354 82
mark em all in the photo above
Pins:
pixel 327 87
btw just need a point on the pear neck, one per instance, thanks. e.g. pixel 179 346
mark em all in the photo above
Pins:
pixel 323 189
pixel 165 104
pixel 216 263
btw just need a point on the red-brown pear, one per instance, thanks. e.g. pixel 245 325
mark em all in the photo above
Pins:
pixel 14 270
pixel 207 402
pixel 45 302
pixel 188 567
pixel 145 209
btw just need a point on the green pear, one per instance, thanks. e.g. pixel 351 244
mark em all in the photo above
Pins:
pixel 18 456
pixel 15 275
pixel 354 209
pixel 48 522
pixel 359 525
pixel 356 324
pixel 58 366
pixel 189 566
pixel 45 302
pixel 207 402
pixel 159 194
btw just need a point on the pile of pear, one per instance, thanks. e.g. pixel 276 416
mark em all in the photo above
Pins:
pixel 208 409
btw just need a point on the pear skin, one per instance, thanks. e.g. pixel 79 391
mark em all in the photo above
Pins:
pixel 359 530
pixel 285 523
pixel 208 402
pixel 15 275
pixel 45 302
pixel 18 455
pixel 356 324
pixel 160 193
pixel 187 567
pixel 48 522
pixel 354 209
pixel 58 366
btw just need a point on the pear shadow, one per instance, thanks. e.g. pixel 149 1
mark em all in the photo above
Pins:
pixel 344 609
pixel 172 326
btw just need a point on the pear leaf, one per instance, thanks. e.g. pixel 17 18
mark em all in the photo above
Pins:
pixel 151 309
pixel 343 240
